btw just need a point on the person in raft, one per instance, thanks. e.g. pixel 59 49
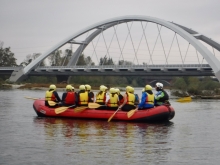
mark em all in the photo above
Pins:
pixel 101 97
pixel 52 95
pixel 147 98
pixel 83 96
pixel 161 96
pixel 129 99
pixel 112 102
pixel 137 100
pixel 90 93
pixel 69 98
pixel 121 99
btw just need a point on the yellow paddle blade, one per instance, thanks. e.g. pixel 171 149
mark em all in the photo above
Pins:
pixel 52 103
pixel 131 113
pixel 60 110
pixel 79 109
pixel 94 105
pixel 184 99
pixel 31 98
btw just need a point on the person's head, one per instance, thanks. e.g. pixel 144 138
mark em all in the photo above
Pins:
pixel 132 90
pixel 128 89
pixel 73 88
pixel 112 90
pixel 102 88
pixel 159 86
pixel 52 87
pixel 68 88
pixel 117 91
pixel 88 87
pixel 106 88
pixel 82 88
pixel 148 88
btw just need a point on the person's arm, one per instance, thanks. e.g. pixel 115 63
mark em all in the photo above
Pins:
pixel 63 97
pixel 76 98
pixel 125 101
pixel 143 98
pixel 57 96
pixel 159 95
pixel 91 96
pixel 107 99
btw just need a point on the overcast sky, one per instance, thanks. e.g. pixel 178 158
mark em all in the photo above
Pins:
pixel 34 26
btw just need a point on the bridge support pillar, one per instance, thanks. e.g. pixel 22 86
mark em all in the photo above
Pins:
pixel 217 75
pixel 62 79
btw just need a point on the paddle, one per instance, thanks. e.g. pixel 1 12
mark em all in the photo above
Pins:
pixel 131 112
pixel 79 109
pixel 51 103
pixel 113 115
pixel 62 109
pixel 94 105
pixel 31 98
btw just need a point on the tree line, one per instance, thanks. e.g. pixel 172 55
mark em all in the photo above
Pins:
pixel 195 86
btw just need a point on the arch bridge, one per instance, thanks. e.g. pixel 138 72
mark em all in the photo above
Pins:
pixel 139 63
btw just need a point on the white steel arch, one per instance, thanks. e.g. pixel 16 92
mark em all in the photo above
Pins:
pixel 181 30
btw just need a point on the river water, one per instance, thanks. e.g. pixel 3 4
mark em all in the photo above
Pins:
pixel 191 137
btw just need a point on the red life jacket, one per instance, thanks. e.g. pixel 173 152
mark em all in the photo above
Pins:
pixel 70 98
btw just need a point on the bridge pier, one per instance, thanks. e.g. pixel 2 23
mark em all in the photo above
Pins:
pixel 62 79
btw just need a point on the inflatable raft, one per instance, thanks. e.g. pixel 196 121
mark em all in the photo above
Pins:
pixel 157 114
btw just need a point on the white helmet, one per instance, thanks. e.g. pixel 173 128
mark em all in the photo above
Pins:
pixel 159 85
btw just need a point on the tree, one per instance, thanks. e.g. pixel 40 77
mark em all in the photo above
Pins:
pixel 55 58
pixel 30 58
pixel 67 56
pixel 180 84
pixel 122 62
pixel 81 60
pixel 106 61
pixel 193 84
pixel 7 57
pixel 88 61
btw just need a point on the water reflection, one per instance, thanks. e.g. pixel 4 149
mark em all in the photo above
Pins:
pixel 100 137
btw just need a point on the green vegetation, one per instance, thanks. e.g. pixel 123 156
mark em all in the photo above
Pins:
pixel 6 57
pixel 193 86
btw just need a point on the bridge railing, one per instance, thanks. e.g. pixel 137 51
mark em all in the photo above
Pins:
pixel 10 68
pixel 179 66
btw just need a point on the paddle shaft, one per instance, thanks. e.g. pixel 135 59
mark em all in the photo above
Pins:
pixel 113 115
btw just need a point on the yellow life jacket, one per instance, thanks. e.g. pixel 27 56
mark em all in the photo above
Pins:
pixel 100 98
pixel 49 96
pixel 149 99
pixel 113 101
pixel 130 98
pixel 83 98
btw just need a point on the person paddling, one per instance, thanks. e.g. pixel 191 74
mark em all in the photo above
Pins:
pixel 69 98
pixel 101 97
pixel 90 93
pixel 113 101
pixel 161 96
pixel 83 96
pixel 147 98
pixel 121 99
pixel 129 99
pixel 52 95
